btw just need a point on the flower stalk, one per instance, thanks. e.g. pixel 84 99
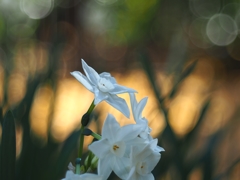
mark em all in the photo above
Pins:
pixel 78 162
pixel 85 120
pixel 97 136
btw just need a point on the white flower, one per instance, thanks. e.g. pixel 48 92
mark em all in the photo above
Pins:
pixel 137 109
pixel 104 87
pixel 114 147
pixel 87 176
pixel 143 161
pixel 71 167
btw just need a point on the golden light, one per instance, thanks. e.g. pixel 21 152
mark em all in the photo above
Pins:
pixel 183 114
pixel 40 113
pixel 71 102
pixel 16 88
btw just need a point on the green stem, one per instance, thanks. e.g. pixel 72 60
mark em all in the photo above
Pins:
pixel 81 142
pixel 95 135
pixel 90 109
pixel 78 166
pixel 80 153
pixel 78 169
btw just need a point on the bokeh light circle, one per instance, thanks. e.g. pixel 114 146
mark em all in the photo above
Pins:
pixel 221 29
pixel 37 9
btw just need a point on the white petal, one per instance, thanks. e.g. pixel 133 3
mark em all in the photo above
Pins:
pixel 108 76
pixel 104 167
pixel 118 103
pixel 100 148
pixel 71 167
pixel 82 79
pixel 140 107
pixel 118 89
pixel 110 128
pixel 152 161
pixel 132 174
pixel 88 176
pixel 147 177
pixel 69 174
pixel 121 166
pixel 128 132
pixel 139 153
pixel 133 102
pixel 155 147
pixel 91 74
pixel 99 96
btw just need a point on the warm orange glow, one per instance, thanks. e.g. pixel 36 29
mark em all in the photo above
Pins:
pixel 16 87
pixel 221 110
pixel 196 174
pixel 41 112
pixel 183 114
pixel 71 102
pixel 19 134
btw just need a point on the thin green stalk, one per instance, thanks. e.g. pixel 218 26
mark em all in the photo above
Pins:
pixel 81 142
pixel 97 136
pixel 78 166
pixel 84 123
pixel 78 169
pixel 90 109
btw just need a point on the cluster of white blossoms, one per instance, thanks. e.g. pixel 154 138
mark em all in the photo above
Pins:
pixel 129 151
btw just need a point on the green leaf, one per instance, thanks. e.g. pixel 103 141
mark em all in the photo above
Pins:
pixel 8 148
pixel 63 159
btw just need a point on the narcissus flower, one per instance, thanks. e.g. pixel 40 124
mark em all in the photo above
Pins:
pixel 104 87
pixel 114 147
pixel 143 161
pixel 137 109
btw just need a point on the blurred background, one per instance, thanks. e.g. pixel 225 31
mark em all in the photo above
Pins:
pixel 183 55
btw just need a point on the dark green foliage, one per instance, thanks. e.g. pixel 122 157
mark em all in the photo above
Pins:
pixel 59 167
pixel 8 148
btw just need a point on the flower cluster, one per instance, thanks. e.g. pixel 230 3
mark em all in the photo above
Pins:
pixel 129 151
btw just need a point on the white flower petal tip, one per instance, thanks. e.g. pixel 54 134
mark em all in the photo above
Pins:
pixel 161 149
pixel 82 79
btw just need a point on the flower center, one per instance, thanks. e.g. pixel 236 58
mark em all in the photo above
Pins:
pixel 118 148
pixel 115 147
pixel 142 168
pixel 105 85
